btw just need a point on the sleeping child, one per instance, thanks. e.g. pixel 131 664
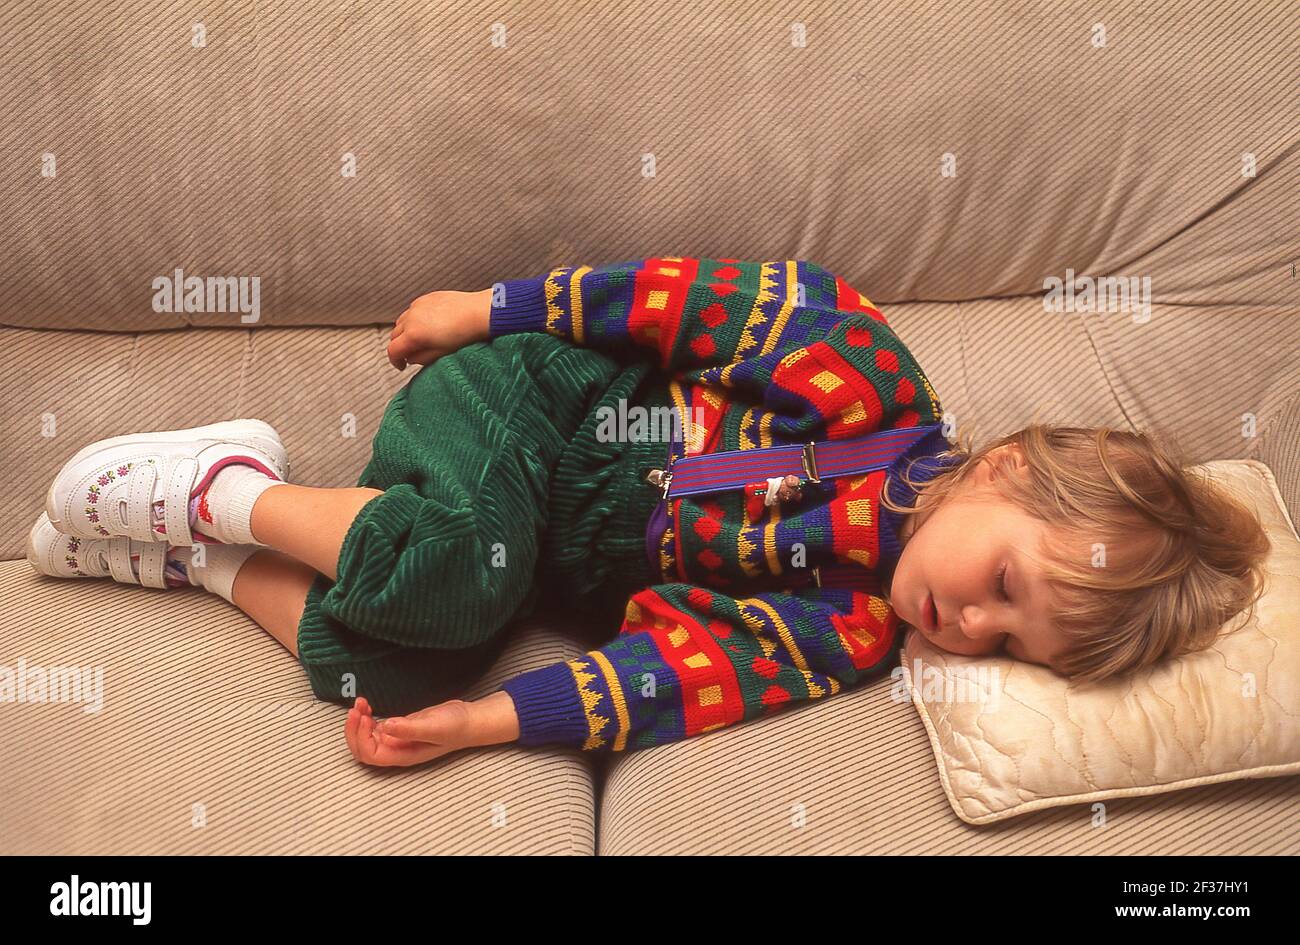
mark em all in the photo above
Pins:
pixel 764 548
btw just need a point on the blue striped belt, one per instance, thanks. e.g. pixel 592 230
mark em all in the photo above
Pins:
pixel 810 462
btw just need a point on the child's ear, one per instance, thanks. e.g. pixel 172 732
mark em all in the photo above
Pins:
pixel 1007 459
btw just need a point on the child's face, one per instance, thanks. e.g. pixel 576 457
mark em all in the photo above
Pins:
pixel 954 555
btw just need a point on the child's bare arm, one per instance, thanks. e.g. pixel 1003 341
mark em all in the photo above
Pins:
pixel 430 733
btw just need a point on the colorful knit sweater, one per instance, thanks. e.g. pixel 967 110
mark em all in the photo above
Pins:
pixel 760 353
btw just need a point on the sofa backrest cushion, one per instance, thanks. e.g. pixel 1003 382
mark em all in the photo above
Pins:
pixel 350 161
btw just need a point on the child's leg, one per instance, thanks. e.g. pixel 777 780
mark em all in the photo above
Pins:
pixel 308 523
pixel 272 589
pixel 305 527
pixel 419 581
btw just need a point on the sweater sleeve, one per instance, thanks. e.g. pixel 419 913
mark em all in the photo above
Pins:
pixel 690 312
pixel 690 660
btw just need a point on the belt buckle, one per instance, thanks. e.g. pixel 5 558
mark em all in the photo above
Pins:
pixel 810 463
pixel 662 478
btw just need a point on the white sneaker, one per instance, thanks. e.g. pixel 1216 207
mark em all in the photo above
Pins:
pixel 50 551
pixel 140 485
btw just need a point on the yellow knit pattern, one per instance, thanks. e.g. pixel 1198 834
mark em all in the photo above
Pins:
pixel 766 293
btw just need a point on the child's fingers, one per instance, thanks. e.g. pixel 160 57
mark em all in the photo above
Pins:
pixel 394 752
pixel 405 350
pixel 398 744
pixel 350 730
pixel 369 742
pixel 406 729
pixel 377 749
pixel 398 349
pixel 425 355
pixel 442 724
pixel 363 741
pixel 357 743
pixel 371 746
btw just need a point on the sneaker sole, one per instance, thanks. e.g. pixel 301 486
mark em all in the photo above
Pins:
pixel 33 555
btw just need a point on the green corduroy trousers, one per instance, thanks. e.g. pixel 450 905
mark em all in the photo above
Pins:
pixel 499 496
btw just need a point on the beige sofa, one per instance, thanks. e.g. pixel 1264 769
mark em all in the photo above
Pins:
pixel 493 142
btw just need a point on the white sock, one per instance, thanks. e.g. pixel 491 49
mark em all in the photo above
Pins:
pixel 213 567
pixel 224 510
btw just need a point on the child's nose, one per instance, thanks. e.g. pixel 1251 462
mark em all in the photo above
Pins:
pixel 977 625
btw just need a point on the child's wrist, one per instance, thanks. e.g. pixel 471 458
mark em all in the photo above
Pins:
pixel 483 315
pixel 494 720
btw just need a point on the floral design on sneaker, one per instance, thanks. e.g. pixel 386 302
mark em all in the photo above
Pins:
pixel 92 495
pixel 74 544
pixel 139 485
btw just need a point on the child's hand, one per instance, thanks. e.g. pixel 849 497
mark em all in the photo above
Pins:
pixel 373 743
pixel 437 324
pixel 430 733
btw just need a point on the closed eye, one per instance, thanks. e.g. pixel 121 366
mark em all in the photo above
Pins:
pixel 1002 584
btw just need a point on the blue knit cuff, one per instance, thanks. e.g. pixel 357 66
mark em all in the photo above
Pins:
pixel 522 308
pixel 890 548
pixel 546 701
pixel 926 467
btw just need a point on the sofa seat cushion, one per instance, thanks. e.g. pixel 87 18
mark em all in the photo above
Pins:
pixel 207 740
pixel 855 775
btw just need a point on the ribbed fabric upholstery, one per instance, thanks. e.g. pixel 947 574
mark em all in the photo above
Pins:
pixel 858 776
pixel 471 453
pixel 610 130
pixel 209 741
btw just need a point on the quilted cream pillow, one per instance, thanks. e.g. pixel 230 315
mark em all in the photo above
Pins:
pixel 1011 737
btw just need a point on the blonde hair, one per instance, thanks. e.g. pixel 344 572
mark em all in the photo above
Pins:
pixel 1179 556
